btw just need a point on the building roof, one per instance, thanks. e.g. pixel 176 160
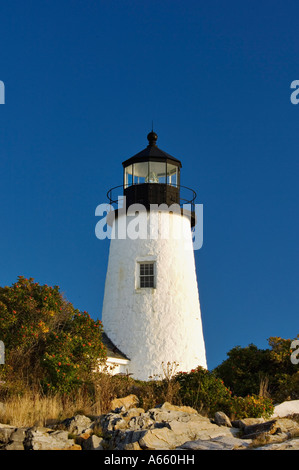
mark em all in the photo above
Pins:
pixel 112 350
pixel 152 152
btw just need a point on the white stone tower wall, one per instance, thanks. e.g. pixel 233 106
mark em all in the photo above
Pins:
pixel 155 325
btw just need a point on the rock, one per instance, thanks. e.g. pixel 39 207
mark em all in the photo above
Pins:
pixel 93 443
pixel 253 431
pixel 242 423
pixel 128 439
pixel 217 443
pixel 288 426
pixel 165 414
pixel 222 419
pixel 159 439
pixel 77 424
pixel 17 439
pixel 142 421
pixel 132 446
pixel 43 439
pixel 72 447
pixel 5 433
pixel 165 427
pixel 112 422
pixel 200 428
pixel 119 423
pixel 291 444
pixel 125 403
pixel 184 409
pixel 283 428
pixel 132 413
pixel 286 408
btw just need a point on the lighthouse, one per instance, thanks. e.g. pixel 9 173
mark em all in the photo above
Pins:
pixel 151 310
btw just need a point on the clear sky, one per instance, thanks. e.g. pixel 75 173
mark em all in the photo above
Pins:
pixel 83 81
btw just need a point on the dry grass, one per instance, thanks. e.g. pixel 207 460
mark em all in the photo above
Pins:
pixel 26 407
pixel 33 409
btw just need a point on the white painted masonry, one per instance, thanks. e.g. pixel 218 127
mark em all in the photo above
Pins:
pixel 161 324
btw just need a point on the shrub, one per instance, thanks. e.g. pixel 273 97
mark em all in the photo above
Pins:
pixel 47 341
pixel 207 393
pixel 250 407
pixel 247 368
pixel 202 390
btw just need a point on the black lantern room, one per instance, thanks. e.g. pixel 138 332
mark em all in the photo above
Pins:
pixel 152 176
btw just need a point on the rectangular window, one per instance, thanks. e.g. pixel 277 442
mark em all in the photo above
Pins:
pixel 147 275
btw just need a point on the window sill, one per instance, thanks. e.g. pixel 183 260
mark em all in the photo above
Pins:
pixel 144 290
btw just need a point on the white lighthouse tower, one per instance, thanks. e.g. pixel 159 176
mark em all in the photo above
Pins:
pixel 151 311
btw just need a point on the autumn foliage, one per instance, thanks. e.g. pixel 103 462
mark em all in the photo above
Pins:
pixel 48 343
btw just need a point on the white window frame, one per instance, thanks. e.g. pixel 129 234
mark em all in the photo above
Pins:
pixel 138 274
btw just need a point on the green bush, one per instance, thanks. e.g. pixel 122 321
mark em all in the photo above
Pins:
pixel 247 369
pixel 250 407
pixel 202 390
pixel 47 341
pixel 207 393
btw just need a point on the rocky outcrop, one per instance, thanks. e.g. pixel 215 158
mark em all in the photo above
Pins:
pixel 165 427
pixel 285 409
pixel 35 438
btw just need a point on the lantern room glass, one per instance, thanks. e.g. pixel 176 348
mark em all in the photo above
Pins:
pixel 172 175
pixel 128 176
pixel 157 172
pixel 151 172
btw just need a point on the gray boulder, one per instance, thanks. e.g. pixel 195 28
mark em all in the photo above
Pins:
pixel 222 419
pixel 45 439
pixel 77 424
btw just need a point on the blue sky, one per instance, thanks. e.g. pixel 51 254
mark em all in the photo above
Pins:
pixel 83 82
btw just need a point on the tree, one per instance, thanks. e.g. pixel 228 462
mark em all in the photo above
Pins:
pixel 246 368
pixel 47 341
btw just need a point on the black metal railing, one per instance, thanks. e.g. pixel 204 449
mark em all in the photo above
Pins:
pixel 186 195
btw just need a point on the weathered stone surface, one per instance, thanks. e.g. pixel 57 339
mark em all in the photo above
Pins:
pixel 288 426
pixel 166 427
pixel 242 423
pixel 217 443
pixel 253 431
pixel 42 439
pixel 291 444
pixel 132 413
pixel 72 447
pixel 200 428
pixel 17 439
pixel 132 446
pixel 222 419
pixel 125 403
pixel 159 439
pixel 5 433
pixel 93 443
pixel 185 409
pixel 287 408
pixel 77 424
